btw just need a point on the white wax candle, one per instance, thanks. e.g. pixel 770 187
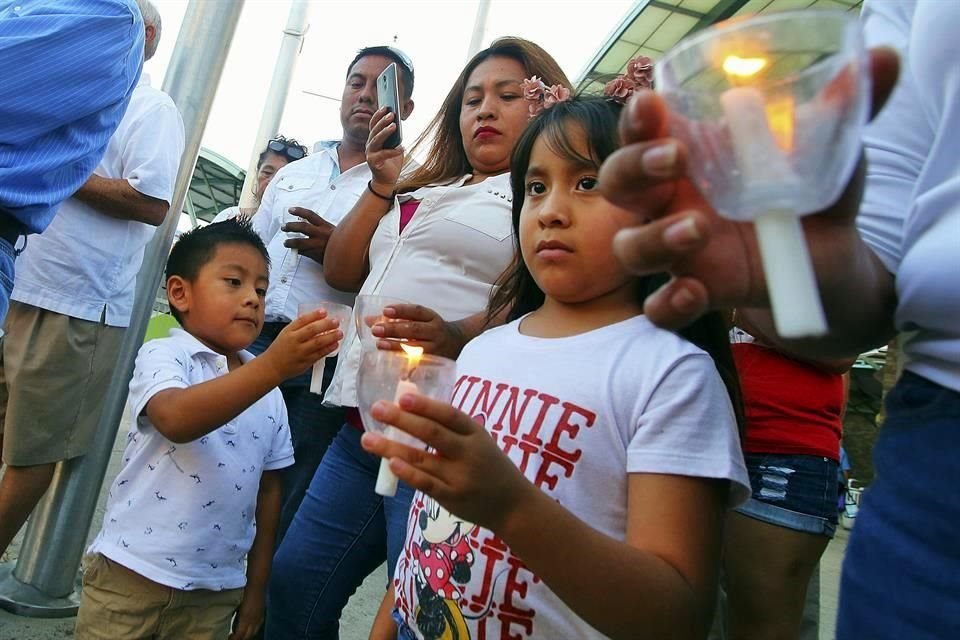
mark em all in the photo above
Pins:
pixel 766 173
pixel 386 479
pixel 791 282
pixel 293 235
pixel 316 377
pixel 762 164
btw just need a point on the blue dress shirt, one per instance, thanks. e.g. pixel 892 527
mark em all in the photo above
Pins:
pixel 68 69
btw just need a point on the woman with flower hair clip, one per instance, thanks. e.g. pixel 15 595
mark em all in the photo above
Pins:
pixel 438 236
pixel 582 493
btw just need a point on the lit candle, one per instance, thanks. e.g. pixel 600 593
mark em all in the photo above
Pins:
pixel 386 479
pixel 762 135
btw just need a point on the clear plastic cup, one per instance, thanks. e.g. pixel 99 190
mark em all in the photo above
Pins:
pixel 342 313
pixel 388 375
pixel 368 311
pixel 810 79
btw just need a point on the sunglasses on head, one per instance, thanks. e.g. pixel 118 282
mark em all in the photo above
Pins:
pixel 292 151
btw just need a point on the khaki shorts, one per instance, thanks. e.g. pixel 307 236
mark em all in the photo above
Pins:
pixel 120 604
pixel 54 372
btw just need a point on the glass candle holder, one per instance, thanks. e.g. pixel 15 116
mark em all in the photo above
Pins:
pixel 369 311
pixel 771 109
pixel 389 375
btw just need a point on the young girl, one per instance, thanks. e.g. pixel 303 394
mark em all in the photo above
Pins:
pixel 578 485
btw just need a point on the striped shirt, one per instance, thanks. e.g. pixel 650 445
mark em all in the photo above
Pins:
pixel 69 67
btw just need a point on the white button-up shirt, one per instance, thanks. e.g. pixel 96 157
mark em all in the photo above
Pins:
pixel 447 258
pixel 313 183
pixel 910 215
pixel 85 264
pixel 184 514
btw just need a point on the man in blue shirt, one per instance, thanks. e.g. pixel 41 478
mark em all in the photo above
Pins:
pixel 69 67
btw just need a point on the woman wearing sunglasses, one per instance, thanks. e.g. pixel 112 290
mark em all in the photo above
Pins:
pixel 279 153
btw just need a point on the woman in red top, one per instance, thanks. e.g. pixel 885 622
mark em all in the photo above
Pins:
pixel 793 406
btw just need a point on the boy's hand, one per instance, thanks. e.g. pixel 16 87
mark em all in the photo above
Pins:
pixel 302 342
pixel 250 615
pixel 465 470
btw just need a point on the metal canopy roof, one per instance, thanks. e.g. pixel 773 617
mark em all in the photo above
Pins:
pixel 215 185
pixel 652 27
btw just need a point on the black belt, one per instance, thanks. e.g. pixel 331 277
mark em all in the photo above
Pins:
pixel 11 229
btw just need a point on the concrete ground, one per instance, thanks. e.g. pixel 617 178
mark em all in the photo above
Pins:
pixel 358 615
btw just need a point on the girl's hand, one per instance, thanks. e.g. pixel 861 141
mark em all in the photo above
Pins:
pixel 465 471
pixel 302 342
pixel 714 262
pixel 385 164
pixel 250 615
pixel 421 326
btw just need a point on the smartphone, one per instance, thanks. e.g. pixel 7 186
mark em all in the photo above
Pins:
pixel 388 95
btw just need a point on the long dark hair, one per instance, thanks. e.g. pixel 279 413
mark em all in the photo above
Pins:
pixel 446 161
pixel 516 291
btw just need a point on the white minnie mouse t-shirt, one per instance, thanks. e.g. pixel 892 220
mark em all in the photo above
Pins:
pixel 576 415
pixel 183 515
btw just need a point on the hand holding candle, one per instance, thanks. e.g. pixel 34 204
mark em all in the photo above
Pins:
pixel 758 91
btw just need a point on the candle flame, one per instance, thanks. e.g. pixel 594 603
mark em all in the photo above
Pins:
pixel 414 353
pixel 781 119
pixel 743 67
pixel 780 116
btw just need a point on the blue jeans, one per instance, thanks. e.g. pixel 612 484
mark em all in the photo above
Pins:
pixel 312 428
pixel 7 256
pixel 342 532
pixel 901 574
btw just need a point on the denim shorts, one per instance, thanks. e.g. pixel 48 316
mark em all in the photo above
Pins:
pixel 793 491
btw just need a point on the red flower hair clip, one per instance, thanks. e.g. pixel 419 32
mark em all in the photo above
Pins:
pixel 541 96
pixel 639 75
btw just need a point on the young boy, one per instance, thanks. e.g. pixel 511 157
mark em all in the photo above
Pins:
pixel 199 490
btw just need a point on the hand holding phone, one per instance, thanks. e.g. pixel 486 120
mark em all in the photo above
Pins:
pixel 388 95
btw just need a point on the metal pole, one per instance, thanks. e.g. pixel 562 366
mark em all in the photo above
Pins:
pixel 290 47
pixel 479 28
pixel 43 582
